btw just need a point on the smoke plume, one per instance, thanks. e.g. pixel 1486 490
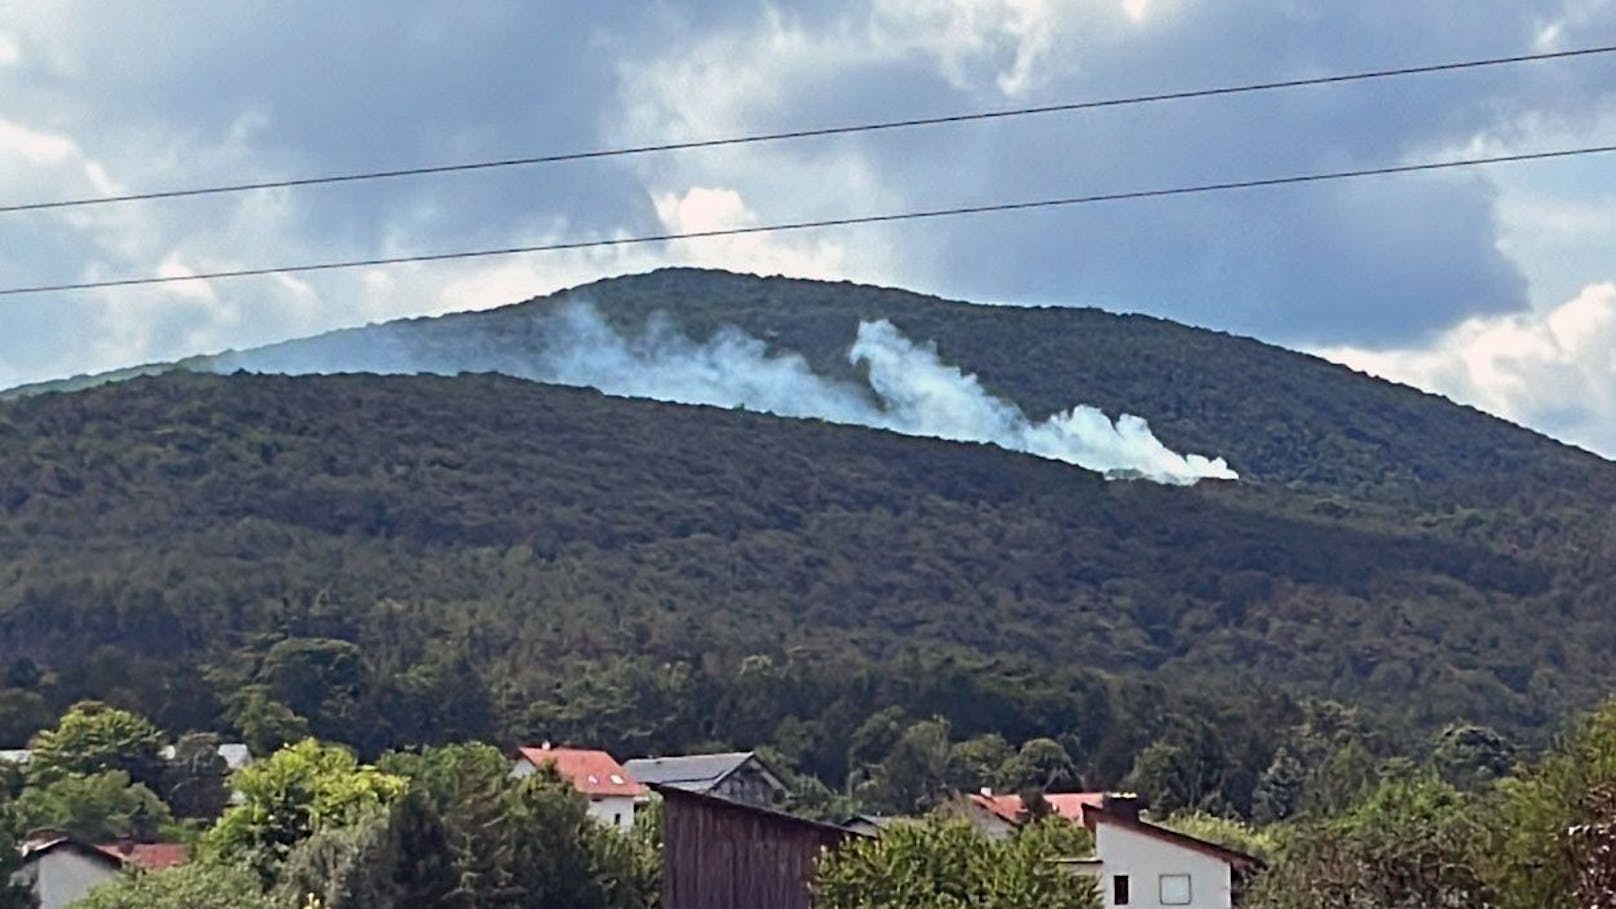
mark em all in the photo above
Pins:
pixel 910 390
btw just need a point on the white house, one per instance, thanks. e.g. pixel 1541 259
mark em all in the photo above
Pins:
pixel 61 869
pixel 1136 863
pixel 611 791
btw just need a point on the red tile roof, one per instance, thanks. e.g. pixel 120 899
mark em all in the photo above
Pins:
pixel 1089 809
pixel 594 773
pixel 150 856
pixel 1069 805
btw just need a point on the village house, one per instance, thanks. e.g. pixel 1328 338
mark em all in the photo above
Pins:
pixel 61 869
pixel 611 790
pixel 1135 863
pixel 740 776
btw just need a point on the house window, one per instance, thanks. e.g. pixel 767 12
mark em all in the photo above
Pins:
pixel 617 819
pixel 1119 890
pixel 1175 890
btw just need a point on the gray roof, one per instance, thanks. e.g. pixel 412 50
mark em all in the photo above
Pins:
pixel 235 754
pixel 696 772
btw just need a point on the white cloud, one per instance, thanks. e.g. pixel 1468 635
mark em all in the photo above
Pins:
pixel 10 49
pixel 1552 369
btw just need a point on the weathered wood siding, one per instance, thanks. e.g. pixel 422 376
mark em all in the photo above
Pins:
pixel 718 855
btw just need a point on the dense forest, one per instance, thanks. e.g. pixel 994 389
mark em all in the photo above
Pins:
pixel 388 561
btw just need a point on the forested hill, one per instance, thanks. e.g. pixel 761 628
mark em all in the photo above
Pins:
pixel 1279 416
pixel 385 560
pixel 518 530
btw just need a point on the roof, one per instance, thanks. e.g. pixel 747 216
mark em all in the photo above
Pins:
pixel 149 856
pixel 236 755
pixel 1069 805
pixel 37 848
pixel 1090 808
pixel 1239 860
pixel 700 772
pixel 677 793
pixel 873 821
pixel 594 773
pixel 15 755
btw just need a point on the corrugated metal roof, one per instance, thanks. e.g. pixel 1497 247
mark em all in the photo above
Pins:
pixel 693 772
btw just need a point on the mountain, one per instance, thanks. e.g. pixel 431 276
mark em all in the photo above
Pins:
pixel 561 549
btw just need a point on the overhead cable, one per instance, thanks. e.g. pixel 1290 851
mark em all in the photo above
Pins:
pixel 462 167
pixel 823 223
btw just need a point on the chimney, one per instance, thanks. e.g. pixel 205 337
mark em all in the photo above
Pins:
pixel 1121 805
pixel 987 791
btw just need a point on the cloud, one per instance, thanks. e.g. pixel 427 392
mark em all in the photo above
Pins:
pixel 1553 369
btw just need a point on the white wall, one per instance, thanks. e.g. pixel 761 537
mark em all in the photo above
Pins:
pixel 1144 859
pixel 61 876
pixel 613 810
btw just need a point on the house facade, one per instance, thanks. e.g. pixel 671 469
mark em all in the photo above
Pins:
pixel 61 870
pixel 612 792
pixel 740 776
pixel 1136 864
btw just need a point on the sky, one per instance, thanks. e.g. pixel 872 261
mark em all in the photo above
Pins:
pixel 1495 287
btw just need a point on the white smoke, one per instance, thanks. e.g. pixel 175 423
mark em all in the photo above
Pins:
pixel 911 391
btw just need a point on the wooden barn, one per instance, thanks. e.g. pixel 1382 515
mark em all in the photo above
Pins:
pixel 719 854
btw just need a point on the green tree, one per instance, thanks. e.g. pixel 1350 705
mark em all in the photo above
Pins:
pixel 97 808
pixel 22 714
pixel 197 885
pixel 13 894
pixel 1279 790
pixel 1471 757
pixel 266 724
pixel 1532 861
pixel 913 776
pixel 387 858
pixel 196 780
pixel 1257 842
pixel 93 737
pixel 1041 764
pixel 948 865
pixel 980 761
pixel 1409 843
pixel 294 793
pixel 526 842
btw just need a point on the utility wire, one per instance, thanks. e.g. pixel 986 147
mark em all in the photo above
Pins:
pixel 824 131
pixel 828 222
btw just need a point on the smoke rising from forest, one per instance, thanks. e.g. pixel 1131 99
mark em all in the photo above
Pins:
pixel 909 391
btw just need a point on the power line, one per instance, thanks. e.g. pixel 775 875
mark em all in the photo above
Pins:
pixel 828 222
pixel 1250 88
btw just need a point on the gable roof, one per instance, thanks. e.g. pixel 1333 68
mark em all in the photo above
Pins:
pixel 1068 805
pixel 1240 861
pixel 677 794
pixel 1093 808
pixel 37 848
pixel 698 772
pixel 592 772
